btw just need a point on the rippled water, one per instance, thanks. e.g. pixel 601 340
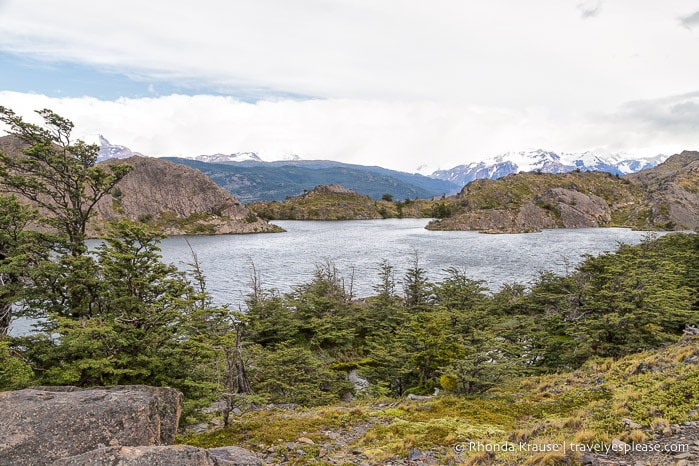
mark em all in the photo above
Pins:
pixel 288 259
pixel 285 260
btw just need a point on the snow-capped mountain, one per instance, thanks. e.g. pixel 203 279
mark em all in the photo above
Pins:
pixel 110 151
pixel 236 157
pixel 547 162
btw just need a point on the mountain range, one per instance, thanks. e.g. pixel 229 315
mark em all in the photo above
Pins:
pixel 251 179
pixel 546 162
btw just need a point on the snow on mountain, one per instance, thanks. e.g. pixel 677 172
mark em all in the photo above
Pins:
pixel 236 157
pixel 547 162
pixel 110 151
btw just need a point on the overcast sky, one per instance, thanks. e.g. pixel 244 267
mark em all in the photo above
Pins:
pixel 397 83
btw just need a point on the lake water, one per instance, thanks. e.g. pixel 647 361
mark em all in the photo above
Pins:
pixel 356 248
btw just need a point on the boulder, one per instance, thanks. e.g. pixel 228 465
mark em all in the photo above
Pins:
pixel 170 455
pixel 173 455
pixel 41 425
pixel 233 456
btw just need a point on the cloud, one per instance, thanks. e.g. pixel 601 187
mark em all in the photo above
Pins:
pixel 589 9
pixel 690 21
pixel 358 49
pixel 677 114
pixel 400 135
pixel 665 125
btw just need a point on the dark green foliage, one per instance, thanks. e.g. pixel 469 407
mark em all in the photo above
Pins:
pixel 415 285
pixel 442 210
pixel 457 333
pixel 15 372
pixel 121 316
pixel 288 374
pixel 20 250
pixel 57 174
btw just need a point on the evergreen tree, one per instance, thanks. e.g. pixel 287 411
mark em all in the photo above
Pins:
pixel 57 175
pixel 20 250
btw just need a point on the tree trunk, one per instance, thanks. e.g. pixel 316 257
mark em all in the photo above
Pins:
pixel 241 374
pixel 5 318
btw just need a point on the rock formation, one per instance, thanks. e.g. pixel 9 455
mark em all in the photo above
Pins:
pixel 174 455
pixel 326 202
pixel 174 198
pixel 664 197
pixel 124 425
pixel 45 424
pixel 177 199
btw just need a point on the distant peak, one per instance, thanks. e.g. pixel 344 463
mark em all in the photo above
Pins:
pixel 235 157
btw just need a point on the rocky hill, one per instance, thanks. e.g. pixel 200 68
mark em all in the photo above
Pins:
pixel 177 199
pixel 174 198
pixel 664 197
pixel 335 202
pixel 672 200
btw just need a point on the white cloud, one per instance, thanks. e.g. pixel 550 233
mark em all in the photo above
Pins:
pixel 399 135
pixel 500 53
pixel 393 83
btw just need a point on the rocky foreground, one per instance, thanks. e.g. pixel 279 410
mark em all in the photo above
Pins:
pixel 124 425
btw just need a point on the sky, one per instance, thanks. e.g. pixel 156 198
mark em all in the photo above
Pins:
pixel 403 84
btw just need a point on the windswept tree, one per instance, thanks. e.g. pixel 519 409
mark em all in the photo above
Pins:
pixel 58 175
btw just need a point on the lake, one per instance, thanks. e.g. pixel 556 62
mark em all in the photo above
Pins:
pixel 356 248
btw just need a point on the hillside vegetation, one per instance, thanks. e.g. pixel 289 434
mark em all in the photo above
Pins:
pixel 587 358
pixel 335 202
pixel 632 400
pixel 665 197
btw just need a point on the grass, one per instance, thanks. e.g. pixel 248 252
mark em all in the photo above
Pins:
pixel 654 389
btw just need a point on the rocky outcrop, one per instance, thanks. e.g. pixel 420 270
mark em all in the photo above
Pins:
pixel 174 455
pixel 672 199
pixel 178 199
pixel 125 425
pixel 174 198
pixel 326 202
pixel 39 426
pixel 664 197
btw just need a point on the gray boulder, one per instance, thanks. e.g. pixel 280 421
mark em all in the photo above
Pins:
pixel 39 426
pixel 173 455
pixel 234 456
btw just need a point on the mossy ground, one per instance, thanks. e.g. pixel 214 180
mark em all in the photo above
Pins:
pixel 654 389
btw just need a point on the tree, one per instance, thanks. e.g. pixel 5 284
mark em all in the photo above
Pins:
pixel 19 251
pixel 56 174
pixel 289 374
pixel 415 284
pixel 136 321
